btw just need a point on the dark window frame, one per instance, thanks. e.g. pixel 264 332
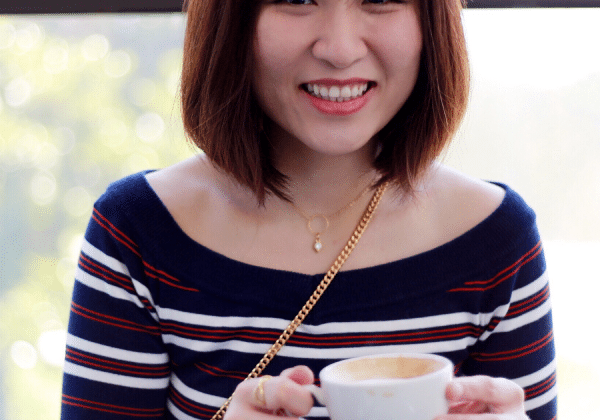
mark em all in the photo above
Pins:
pixel 174 6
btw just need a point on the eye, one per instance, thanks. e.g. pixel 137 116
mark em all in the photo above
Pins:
pixel 383 1
pixel 295 2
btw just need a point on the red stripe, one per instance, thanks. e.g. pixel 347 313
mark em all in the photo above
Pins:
pixel 190 289
pixel 112 277
pixel 518 262
pixel 75 359
pixel 541 388
pixel 138 327
pixel 132 248
pixel 160 272
pixel 210 370
pixel 163 367
pixel 125 237
pixel 179 401
pixel 336 341
pixel 537 300
pixel 252 334
pixel 530 348
pixel 457 367
pixel 115 409
pixel 496 280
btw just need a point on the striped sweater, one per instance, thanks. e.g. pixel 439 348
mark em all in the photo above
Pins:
pixel 163 327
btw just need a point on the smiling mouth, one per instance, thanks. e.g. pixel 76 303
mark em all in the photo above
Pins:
pixel 337 93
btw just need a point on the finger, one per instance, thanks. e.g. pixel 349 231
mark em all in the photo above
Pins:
pixel 468 407
pixel 237 411
pixel 273 394
pixel 302 375
pixel 500 395
pixel 488 416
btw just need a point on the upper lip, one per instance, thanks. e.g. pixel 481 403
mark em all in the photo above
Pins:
pixel 337 82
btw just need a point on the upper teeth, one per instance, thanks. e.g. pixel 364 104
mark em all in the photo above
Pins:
pixel 337 93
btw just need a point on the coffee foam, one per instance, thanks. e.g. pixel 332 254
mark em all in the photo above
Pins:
pixel 385 368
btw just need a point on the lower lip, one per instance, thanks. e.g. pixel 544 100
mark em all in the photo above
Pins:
pixel 340 108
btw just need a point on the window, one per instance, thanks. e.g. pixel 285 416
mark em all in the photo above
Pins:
pixel 86 99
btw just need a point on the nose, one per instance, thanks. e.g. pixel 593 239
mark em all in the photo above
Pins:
pixel 340 41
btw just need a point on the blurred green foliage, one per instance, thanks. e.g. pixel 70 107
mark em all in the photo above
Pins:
pixel 83 102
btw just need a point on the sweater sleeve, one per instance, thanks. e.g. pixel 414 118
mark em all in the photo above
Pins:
pixel 116 364
pixel 517 342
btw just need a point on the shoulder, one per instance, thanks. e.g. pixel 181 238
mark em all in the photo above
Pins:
pixel 491 217
pixel 455 203
pixel 460 199
pixel 125 194
pixel 187 187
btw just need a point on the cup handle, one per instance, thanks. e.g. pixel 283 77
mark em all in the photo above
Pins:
pixel 317 393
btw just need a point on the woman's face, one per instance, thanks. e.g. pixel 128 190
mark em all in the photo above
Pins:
pixel 332 73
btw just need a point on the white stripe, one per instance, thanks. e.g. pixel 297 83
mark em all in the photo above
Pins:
pixel 114 291
pixel 102 286
pixel 531 289
pixel 536 377
pixel 114 379
pixel 530 317
pixel 435 321
pixel 106 260
pixel 115 353
pixel 195 395
pixel 543 399
pixel 332 327
pixel 318 353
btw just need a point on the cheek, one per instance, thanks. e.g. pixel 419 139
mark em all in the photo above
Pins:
pixel 274 51
pixel 403 49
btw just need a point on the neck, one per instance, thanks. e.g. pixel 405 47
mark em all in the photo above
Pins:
pixel 320 183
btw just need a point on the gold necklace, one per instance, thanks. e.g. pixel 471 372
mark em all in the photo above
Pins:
pixel 318 245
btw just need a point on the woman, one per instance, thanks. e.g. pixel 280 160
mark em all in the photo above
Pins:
pixel 304 109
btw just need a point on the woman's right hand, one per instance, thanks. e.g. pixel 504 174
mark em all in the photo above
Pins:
pixel 264 398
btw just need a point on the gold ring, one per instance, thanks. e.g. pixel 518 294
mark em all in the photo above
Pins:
pixel 259 391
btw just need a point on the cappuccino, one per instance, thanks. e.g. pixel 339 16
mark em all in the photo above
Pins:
pixel 395 367
pixel 384 387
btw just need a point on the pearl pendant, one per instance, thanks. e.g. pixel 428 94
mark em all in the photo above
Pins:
pixel 317 245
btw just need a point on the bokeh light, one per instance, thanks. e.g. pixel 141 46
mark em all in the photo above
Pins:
pixel 56 56
pixel 8 34
pixel 149 127
pixel 23 354
pixel 78 201
pixel 95 47
pixel 18 92
pixel 28 37
pixel 117 64
pixel 43 188
pixel 51 346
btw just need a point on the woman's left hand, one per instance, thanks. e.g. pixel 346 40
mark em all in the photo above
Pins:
pixel 484 398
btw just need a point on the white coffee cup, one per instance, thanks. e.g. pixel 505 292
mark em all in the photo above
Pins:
pixel 386 387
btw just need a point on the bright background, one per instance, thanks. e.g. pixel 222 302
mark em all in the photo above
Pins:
pixel 85 100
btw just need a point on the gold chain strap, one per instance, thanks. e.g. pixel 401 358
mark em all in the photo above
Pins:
pixel 337 264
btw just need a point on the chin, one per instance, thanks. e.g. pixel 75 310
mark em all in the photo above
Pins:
pixel 337 145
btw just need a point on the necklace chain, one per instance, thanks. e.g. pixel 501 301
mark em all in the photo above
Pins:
pixel 297 321
pixel 318 245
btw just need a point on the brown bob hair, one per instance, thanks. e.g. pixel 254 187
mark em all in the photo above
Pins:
pixel 222 117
